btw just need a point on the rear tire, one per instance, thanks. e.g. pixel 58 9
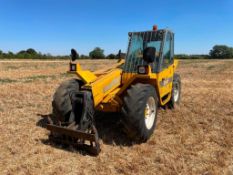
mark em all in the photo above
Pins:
pixel 176 92
pixel 140 111
pixel 61 103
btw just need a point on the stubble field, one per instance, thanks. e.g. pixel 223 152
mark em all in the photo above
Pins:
pixel 196 138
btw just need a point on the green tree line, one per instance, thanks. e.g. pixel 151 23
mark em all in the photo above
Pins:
pixel 96 53
pixel 217 52
pixel 29 54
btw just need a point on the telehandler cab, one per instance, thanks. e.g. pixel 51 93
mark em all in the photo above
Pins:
pixel 135 86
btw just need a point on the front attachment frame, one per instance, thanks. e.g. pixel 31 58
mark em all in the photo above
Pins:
pixel 77 138
pixel 79 131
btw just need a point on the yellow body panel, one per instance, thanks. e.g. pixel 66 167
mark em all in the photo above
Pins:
pixel 110 85
pixel 104 84
pixel 86 76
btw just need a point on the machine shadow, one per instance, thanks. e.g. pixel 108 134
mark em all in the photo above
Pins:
pixel 44 120
pixel 109 129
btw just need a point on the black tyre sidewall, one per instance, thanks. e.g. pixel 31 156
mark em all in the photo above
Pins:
pixel 61 103
pixel 134 111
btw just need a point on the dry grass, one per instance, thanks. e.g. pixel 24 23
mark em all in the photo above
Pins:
pixel 197 138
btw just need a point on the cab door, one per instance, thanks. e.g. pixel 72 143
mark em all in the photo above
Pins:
pixel 165 75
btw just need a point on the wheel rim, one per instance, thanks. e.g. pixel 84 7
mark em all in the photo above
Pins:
pixel 176 92
pixel 150 112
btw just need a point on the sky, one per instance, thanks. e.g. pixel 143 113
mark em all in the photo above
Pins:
pixel 56 26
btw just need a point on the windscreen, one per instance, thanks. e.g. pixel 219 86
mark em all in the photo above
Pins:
pixel 138 41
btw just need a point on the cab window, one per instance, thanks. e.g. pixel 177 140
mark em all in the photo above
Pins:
pixel 167 51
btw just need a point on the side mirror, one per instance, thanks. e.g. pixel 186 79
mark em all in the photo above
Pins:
pixel 74 55
pixel 149 54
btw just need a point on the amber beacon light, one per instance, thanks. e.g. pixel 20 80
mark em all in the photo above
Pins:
pixel 155 27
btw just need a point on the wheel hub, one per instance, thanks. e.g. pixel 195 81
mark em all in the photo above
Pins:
pixel 150 112
pixel 176 93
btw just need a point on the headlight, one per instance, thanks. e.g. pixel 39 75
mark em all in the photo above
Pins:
pixel 143 69
pixel 72 67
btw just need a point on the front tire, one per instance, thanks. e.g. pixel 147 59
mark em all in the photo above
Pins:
pixel 61 103
pixel 140 111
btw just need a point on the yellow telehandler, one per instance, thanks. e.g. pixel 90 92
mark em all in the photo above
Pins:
pixel 135 86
